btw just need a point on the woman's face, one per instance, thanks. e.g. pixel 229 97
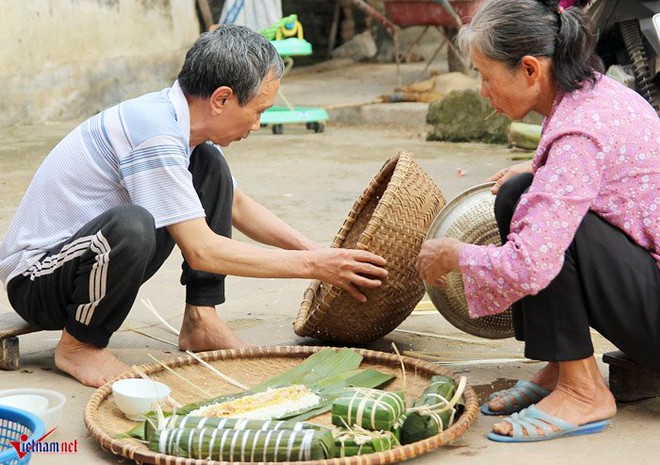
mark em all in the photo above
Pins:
pixel 509 91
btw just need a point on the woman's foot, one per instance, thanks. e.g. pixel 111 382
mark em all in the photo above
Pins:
pixel 201 330
pixel 580 396
pixel 514 399
pixel 91 365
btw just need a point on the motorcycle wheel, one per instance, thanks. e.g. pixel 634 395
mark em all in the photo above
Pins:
pixel 632 37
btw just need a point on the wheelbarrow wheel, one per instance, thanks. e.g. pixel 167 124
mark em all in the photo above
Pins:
pixel 318 127
pixel 277 129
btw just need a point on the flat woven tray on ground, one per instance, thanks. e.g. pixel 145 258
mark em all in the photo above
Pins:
pixel 470 218
pixel 252 366
pixel 390 219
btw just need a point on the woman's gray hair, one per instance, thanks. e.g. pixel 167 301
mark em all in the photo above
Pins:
pixel 506 31
pixel 232 56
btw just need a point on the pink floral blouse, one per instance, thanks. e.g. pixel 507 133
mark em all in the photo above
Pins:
pixel 599 151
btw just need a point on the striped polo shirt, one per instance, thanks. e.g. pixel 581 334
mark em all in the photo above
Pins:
pixel 134 153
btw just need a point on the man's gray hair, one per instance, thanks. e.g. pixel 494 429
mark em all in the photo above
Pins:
pixel 232 56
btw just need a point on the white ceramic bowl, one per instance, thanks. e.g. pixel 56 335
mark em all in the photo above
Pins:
pixel 45 403
pixel 137 397
pixel 30 402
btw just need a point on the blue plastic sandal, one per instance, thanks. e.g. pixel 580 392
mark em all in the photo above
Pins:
pixel 525 425
pixel 516 398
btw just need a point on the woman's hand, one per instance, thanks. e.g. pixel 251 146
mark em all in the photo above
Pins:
pixel 506 173
pixel 437 258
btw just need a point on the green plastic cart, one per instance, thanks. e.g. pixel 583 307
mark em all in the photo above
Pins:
pixel 278 116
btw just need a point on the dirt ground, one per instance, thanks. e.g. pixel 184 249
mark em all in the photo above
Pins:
pixel 311 180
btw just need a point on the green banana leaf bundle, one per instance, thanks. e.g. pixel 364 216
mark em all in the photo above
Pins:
pixel 524 135
pixel 191 422
pixel 431 412
pixel 234 445
pixel 371 409
pixel 358 441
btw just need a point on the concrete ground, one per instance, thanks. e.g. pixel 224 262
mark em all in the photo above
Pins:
pixel 311 180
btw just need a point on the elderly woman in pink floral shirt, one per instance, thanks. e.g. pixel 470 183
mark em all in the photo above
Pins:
pixel 579 224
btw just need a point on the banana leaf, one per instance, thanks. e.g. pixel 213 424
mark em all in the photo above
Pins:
pixel 244 445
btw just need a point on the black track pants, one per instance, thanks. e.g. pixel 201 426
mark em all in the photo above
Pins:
pixel 88 284
pixel 607 282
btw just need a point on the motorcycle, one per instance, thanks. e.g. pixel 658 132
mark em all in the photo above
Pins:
pixel 629 40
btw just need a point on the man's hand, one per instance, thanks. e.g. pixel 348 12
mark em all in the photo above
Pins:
pixel 506 173
pixel 437 258
pixel 349 269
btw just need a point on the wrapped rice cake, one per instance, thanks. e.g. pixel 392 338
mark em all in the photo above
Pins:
pixel 234 445
pixel 371 409
pixel 358 441
pixel 194 422
pixel 433 411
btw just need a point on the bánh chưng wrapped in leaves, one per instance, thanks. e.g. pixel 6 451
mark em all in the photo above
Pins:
pixel 234 445
pixel 153 423
pixel 359 441
pixel 433 411
pixel 372 409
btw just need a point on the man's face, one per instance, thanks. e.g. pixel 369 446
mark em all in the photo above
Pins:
pixel 235 122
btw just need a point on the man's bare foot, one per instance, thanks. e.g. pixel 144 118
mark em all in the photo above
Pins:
pixel 93 366
pixel 546 377
pixel 201 329
pixel 579 397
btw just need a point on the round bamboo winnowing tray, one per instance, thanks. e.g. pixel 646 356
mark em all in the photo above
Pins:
pixel 390 219
pixel 251 366
pixel 470 218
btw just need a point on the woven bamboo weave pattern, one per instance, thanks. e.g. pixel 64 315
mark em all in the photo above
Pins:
pixel 252 366
pixel 470 218
pixel 391 219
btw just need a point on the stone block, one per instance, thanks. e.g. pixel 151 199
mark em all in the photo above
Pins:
pixel 465 116
pixel 462 117
pixel 360 47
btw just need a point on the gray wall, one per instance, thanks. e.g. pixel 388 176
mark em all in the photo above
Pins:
pixel 66 59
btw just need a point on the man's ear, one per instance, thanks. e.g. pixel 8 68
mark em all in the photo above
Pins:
pixel 219 98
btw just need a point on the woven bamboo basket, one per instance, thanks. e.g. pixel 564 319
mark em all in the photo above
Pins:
pixel 470 218
pixel 254 365
pixel 391 219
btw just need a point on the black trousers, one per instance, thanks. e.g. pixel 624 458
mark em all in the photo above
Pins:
pixel 89 283
pixel 607 282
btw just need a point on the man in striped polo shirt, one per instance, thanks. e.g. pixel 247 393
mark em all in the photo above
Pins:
pixel 107 205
